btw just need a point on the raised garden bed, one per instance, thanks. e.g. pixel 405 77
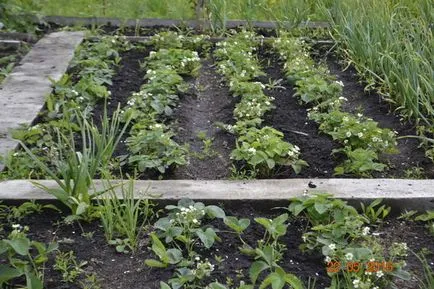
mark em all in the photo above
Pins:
pixel 206 103
pixel 93 256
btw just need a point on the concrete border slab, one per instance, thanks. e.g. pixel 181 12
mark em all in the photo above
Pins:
pixel 403 193
pixel 23 92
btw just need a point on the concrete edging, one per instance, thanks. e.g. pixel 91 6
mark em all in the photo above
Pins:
pixel 23 92
pixel 400 193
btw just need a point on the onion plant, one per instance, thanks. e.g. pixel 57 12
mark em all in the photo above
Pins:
pixel 391 45
pixel 77 164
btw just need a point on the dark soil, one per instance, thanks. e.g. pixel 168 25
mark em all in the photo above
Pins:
pixel 117 270
pixel 372 105
pixel 128 79
pixel 198 112
pixel 291 118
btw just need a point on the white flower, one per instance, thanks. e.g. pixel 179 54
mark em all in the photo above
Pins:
pixel 345 119
pixel 360 134
pixel 366 231
pixel 340 83
pixel 252 150
pixel 16 226
pixel 332 246
pixel 195 221
pixel 343 98
pixel 348 134
pixel 197 258
pixel 327 259
pixel 359 115
pixel 356 283
pixel 380 274
pixel 349 256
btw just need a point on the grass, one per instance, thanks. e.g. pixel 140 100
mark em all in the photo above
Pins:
pixel 391 44
pixel 185 9
pixel 127 9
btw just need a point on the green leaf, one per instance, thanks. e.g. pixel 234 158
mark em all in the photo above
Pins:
pixel 8 273
pixel 235 224
pixel 256 269
pixel 207 237
pixel 33 282
pixel 271 163
pixel 21 245
pixel 216 285
pixel 164 285
pixel 294 281
pixel 401 274
pixel 275 280
pixel 215 212
pixel 159 248
pixel 155 263
pixel 81 209
pixel 321 208
pixel 175 256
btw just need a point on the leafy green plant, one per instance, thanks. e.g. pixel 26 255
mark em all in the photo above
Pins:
pixel 264 149
pixel 67 264
pixel 19 15
pixel 237 225
pixel 166 256
pixel 24 257
pixel 91 281
pixel 375 212
pixel 14 214
pixel 184 224
pixel 154 148
pixel 429 218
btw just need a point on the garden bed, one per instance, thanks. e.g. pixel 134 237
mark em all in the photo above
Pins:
pixel 120 270
pixel 208 102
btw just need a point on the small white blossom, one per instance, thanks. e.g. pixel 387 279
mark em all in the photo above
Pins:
pixel 340 83
pixel 349 256
pixel 366 231
pixel 348 134
pixel 327 259
pixel 356 283
pixel 332 246
pixel 380 274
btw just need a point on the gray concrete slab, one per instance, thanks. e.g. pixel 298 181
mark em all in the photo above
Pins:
pixel 23 92
pixel 409 194
pixel 10 44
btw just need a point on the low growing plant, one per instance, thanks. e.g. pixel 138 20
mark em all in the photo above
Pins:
pixel 264 149
pixel 24 258
pixel 66 263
